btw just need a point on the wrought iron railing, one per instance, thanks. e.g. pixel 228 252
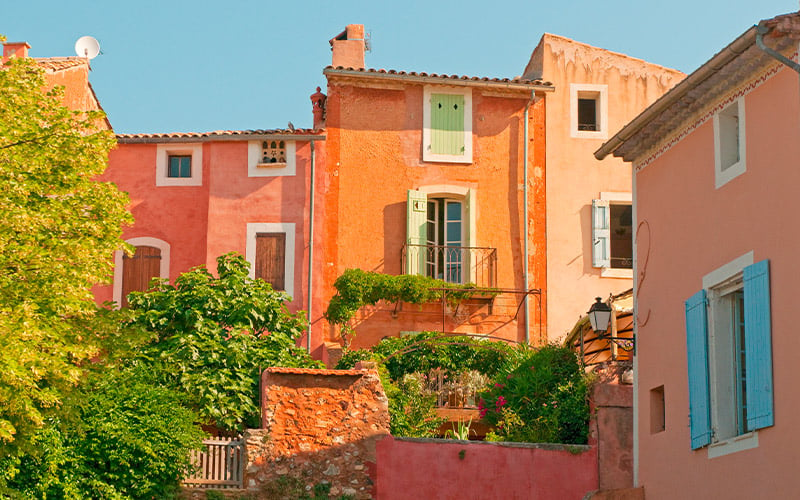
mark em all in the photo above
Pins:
pixel 476 265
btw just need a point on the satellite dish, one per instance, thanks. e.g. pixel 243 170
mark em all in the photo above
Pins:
pixel 87 47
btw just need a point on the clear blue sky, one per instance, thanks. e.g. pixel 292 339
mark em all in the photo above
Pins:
pixel 171 66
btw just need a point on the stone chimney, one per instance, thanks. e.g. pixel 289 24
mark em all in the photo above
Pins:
pixel 15 49
pixel 318 108
pixel 348 47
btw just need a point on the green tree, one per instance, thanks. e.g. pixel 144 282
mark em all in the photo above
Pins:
pixel 215 335
pixel 58 230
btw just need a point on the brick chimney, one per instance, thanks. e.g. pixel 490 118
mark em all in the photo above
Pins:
pixel 348 47
pixel 15 49
pixel 318 108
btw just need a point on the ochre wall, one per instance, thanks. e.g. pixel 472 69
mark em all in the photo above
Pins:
pixel 574 176
pixel 375 156
pixel 694 229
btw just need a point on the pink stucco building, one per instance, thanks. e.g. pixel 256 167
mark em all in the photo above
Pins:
pixel 714 164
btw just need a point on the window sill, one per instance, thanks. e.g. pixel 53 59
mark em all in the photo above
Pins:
pixel 271 165
pixel 610 272
pixel 734 444
pixel 589 134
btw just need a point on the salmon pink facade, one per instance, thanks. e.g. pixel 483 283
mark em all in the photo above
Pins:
pixel 714 167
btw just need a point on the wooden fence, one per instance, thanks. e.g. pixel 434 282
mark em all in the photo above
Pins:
pixel 219 465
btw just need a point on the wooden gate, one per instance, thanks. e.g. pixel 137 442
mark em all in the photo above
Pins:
pixel 220 464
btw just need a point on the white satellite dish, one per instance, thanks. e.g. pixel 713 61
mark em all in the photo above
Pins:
pixel 87 47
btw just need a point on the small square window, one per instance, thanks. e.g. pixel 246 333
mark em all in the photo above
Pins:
pixel 447 125
pixel 588 111
pixel 179 166
pixel 729 143
pixel 587 114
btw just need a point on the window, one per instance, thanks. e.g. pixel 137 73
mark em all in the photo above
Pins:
pixel 134 273
pixel 447 125
pixel 179 164
pixel 588 111
pixel 657 413
pixel 729 143
pixel 612 235
pixel 270 251
pixel 440 239
pixel 728 336
pixel 271 259
pixel 271 158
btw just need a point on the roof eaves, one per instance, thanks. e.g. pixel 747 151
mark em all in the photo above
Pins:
pixel 222 135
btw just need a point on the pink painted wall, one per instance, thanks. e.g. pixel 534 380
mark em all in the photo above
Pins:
pixel 203 222
pixel 694 229
pixel 418 468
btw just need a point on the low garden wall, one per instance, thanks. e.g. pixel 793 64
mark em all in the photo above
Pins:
pixel 449 469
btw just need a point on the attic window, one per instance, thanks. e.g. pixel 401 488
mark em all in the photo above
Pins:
pixel 273 152
pixel 587 113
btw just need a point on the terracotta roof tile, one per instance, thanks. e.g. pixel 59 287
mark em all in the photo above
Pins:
pixel 313 371
pixel 422 74
pixel 218 134
pixel 52 64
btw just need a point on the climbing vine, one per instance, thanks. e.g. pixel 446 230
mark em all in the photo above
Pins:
pixel 356 288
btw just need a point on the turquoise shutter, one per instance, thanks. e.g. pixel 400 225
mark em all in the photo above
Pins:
pixel 697 362
pixel 447 124
pixel 416 239
pixel 758 346
pixel 601 234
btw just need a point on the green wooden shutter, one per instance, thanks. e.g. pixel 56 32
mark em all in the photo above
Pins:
pixel 758 346
pixel 601 234
pixel 447 124
pixel 416 225
pixel 697 363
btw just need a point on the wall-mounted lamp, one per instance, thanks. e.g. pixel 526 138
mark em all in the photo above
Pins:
pixel 600 319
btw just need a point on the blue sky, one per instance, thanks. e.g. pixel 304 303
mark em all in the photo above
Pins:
pixel 171 66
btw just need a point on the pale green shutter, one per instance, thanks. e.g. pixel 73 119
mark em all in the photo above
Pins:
pixel 601 234
pixel 416 235
pixel 447 124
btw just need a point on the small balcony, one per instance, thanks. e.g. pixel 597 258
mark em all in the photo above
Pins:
pixel 477 265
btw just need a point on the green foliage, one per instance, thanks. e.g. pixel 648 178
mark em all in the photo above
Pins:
pixel 356 288
pixel 412 411
pixel 132 441
pixel 58 230
pixel 543 399
pixel 215 335
pixel 426 351
pixel 461 431
pixel 294 488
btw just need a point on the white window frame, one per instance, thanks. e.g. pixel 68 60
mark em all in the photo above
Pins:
pixel 723 176
pixel 257 169
pixel 584 91
pixel 164 151
pixel 719 283
pixel 427 155
pixel 142 241
pixel 616 198
pixel 288 228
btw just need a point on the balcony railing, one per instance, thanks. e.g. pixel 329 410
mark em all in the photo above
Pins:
pixel 476 265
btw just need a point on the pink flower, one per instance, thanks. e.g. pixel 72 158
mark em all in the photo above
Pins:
pixel 501 401
pixel 500 385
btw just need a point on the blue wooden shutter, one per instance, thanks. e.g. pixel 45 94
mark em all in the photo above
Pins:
pixel 758 346
pixel 697 361
pixel 447 124
pixel 601 234
pixel 417 237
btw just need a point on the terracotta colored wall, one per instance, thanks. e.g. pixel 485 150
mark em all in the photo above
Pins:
pixel 77 94
pixel 694 229
pixel 574 176
pixel 318 425
pixel 203 222
pixel 375 155
pixel 613 432
pixel 445 470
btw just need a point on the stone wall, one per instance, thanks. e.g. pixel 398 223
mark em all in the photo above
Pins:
pixel 318 427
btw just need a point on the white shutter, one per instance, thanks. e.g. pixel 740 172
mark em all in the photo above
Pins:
pixel 601 234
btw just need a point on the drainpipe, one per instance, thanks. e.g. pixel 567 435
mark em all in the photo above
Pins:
pixel 525 216
pixel 310 248
pixel 762 30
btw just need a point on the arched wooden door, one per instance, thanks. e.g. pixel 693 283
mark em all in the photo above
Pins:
pixel 138 270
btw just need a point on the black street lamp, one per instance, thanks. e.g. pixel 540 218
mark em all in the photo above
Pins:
pixel 600 319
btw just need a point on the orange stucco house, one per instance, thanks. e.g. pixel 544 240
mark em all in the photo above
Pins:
pixel 715 298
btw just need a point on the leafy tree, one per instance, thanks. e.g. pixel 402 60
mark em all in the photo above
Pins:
pixel 215 335
pixel 58 230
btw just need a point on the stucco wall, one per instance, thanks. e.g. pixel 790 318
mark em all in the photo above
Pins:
pixel 574 176
pixel 375 156
pixel 693 230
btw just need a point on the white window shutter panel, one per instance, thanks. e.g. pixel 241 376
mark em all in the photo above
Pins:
pixel 416 236
pixel 601 234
